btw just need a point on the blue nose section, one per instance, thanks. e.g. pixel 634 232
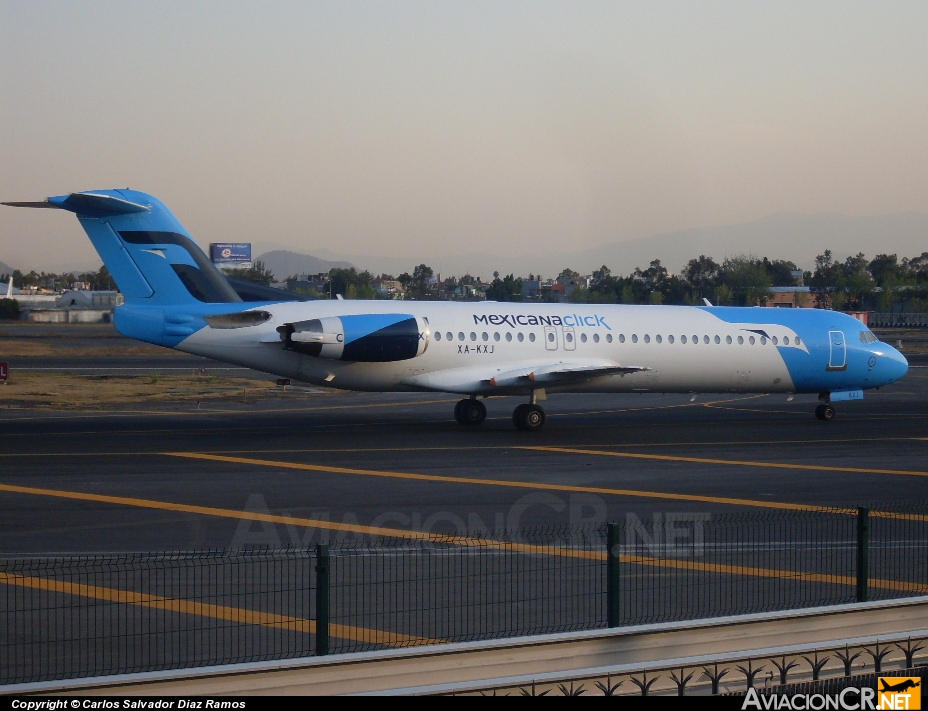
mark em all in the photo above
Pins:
pixel 891 365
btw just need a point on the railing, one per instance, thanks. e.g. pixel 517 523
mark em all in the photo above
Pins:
pixel 81 616
pixel 881 319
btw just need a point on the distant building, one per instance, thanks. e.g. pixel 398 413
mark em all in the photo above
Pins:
pixel 308 283
pixel 72 306
pixel 531 289
pixel 790 297
pixel 389 288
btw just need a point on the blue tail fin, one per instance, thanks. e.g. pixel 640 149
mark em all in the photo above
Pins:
pixel 150 255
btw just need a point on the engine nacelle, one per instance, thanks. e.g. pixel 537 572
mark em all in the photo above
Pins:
pixel 370 338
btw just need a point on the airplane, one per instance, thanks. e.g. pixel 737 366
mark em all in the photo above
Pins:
pixel 900 687
pixel 175 297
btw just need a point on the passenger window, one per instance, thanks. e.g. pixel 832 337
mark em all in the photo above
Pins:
pixel 682 339
pixel 461 336
pixel 608 338
pixel 521 337
pixel 719 340
pixel 437 335
pixel 473 336
pixel 550 338
pixel 695 339
pixel 485 336
pixel 595 338
pixel 740 340
pixel 508 335
pixel 569 337
pixel 763 340
pixel 658 338
pixel 670 339
pixel 496 336
pixel 727 339
pixel 634 338
pixel 621 338
pixel 583 338
pixel 647 338
pixel 531 337
pixel 796 340
pixel 785 340
pixel 449 336
pixel 751 340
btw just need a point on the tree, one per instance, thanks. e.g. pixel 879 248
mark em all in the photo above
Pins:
pixel 701 274
pixel 780 272
pixel 9 309
pixel 602 286
pixel 420 285
pixel 746 278
pixel 823 279
pixel 566 276
pixel 884 267
pixel 257 273
pixel 651 279
pixel 351 284
pixel 506 289
pixel 858 284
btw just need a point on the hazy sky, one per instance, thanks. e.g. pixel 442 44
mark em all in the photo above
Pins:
pixel 441 127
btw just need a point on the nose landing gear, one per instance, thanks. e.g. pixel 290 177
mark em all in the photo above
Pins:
pixel 825 411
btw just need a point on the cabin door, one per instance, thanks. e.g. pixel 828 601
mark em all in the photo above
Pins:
pixel 837 351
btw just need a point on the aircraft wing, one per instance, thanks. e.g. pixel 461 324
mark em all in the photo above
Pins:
pixel 530 376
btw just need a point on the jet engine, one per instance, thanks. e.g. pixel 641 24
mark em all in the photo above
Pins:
pixel 370 338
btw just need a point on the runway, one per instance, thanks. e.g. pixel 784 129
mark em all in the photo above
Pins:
pixel 323 466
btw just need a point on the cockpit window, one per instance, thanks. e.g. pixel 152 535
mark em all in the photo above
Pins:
pixel 868 337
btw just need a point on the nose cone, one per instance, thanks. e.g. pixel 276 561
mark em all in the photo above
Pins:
pixel 891 364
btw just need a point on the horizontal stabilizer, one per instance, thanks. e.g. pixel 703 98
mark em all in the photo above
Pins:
pixel 87 204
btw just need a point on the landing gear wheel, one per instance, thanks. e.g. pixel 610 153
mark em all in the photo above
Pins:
pixel 470 412
pixel 825 412
pixel 529 418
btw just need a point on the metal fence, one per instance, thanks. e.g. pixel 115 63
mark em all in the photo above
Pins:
pixel 82 616
pixel 912 319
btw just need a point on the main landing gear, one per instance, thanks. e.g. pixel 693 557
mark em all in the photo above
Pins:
pixel 528 417
pixel 470 412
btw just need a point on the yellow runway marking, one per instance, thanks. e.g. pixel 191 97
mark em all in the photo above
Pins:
pixel 493 482
pixel 218 612
pixel 728 462
pixel 467 448
pixel 461 540
pixel 773 573
pixel 374 531
pixel 543 486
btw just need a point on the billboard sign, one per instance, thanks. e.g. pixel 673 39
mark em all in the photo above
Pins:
pixel 230 252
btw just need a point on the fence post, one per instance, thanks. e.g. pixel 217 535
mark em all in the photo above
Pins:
pixel 613 611
pixel 322 600
pixel 863 554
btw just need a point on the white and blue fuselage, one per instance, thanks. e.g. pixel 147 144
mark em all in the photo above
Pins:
pixel 176 298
